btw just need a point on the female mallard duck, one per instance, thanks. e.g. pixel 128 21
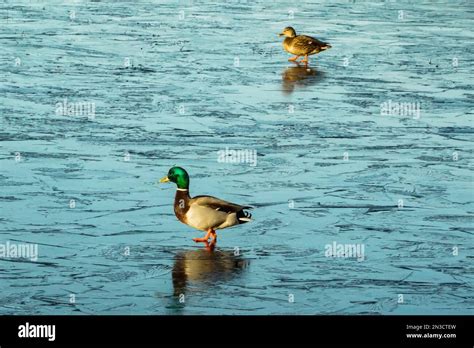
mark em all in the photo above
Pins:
pixel 301 45
pixel 204 213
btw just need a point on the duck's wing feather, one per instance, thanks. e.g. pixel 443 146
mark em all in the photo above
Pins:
pixel 217 204
pixel 307 43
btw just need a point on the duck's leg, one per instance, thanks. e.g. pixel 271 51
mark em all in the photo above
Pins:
pixel 305 60
pixel 293 59
pixel 206 237
pixel 210 246
pixel 213 236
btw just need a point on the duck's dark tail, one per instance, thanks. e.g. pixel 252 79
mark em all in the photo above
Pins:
pixel 244 216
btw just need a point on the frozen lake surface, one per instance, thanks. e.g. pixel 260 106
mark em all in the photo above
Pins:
pixel 165 83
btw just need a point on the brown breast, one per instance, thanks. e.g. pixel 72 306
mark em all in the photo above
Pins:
pixel 287 44
pixel 181 205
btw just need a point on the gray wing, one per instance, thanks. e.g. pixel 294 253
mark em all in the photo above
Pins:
pixel 218 204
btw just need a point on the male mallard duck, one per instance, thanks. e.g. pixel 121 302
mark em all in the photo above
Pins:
pixel 204 213
pixel 301 45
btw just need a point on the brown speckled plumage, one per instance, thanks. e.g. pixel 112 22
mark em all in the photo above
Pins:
pixel 302 45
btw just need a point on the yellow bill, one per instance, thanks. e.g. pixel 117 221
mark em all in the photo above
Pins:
pixel 164 179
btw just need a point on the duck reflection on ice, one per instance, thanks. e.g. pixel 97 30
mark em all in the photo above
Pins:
pixel 204 267
pixel 299 76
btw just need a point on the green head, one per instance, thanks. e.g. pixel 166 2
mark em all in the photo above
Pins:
pixel 179 176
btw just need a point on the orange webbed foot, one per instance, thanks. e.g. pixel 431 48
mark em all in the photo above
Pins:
pixel 305 61
pixel 210 233
pixel 210 246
